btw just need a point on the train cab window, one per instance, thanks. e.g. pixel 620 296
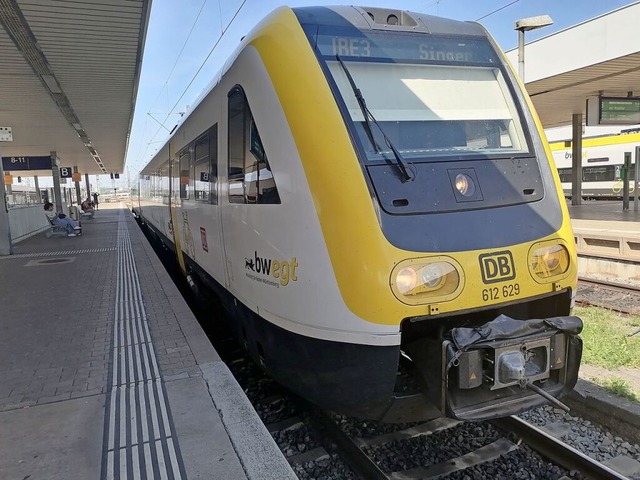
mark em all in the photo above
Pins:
pixel 443 100
pixel 250 177
pixel 205 166
pixel 185 167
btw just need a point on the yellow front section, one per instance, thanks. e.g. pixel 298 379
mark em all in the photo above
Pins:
pixel 361 257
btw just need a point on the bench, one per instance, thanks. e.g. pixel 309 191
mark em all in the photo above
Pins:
pixel 81 213
pixel 61 230
pixel 56 230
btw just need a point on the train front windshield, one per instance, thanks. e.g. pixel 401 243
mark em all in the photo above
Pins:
pixel 431 97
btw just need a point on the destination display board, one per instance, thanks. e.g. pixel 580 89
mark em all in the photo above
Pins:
pixel 352 44
pixel 613 111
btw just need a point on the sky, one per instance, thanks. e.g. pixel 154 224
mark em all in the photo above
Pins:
pixel 188 42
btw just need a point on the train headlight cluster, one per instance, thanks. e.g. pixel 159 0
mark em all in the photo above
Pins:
pixel 548 261
pixel 423 280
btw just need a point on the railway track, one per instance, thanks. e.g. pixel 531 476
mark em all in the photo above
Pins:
pixel 612 296
pixel 359 454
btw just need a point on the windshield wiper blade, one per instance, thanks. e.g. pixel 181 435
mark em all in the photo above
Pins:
pixel 407 174
pixel 362 103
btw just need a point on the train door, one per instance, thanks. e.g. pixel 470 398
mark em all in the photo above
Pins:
pixel 175 201
pixel 204 218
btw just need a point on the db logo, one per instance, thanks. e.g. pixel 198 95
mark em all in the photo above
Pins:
pixel 497 267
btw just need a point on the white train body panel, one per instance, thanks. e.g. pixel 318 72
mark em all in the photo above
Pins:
pixel 289 232
pixel 285 231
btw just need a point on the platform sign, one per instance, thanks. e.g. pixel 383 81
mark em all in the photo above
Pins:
pixel 613 111
pixel 10 164
pixel 66 172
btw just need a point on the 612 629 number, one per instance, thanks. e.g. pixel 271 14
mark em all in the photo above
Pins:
pixel 496 293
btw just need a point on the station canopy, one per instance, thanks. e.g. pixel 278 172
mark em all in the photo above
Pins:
pixel 69 74
pixel 599 57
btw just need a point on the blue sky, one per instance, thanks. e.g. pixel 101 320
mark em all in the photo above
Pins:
pixel 180 61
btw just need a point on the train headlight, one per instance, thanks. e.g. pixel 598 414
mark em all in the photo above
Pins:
pixel 465 185
pixel 434 275
pixel 406 280
pixel 549 261
pixel 421 281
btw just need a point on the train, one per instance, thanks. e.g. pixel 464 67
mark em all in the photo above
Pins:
pixel 602 163
pixel 369 194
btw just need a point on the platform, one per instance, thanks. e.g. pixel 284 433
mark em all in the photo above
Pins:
pixel 105 373
pixel 603 230
pixel 605 211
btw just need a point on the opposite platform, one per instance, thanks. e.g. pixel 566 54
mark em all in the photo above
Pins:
pixel 105 373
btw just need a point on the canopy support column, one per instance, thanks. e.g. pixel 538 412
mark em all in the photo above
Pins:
pixel 55 173
pixel 5 228
pixel 576 160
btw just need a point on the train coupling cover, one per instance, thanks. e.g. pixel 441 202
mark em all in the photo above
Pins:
pixel 507 366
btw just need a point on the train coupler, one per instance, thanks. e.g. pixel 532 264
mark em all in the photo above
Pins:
pixel 504 367
pixel 507 366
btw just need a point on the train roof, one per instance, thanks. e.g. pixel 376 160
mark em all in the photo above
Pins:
pixel 387 19
pixel 363 18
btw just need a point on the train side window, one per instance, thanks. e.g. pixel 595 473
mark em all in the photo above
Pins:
pixel 213 164
pixel 598 174
pixel 237 114
pixel 201 170
pixel 185 167
pixel 204 167
pixel 163 173
pixel 260 184
pixel 250 177
pixel 565 174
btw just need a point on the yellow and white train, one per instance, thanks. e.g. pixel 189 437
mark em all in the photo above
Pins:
pixel 602 163
pixel 369 193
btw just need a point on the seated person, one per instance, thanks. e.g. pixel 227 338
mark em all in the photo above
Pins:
pixel 87 208
pixel 60 219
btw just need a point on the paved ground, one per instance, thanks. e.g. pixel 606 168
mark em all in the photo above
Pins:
pixel 603 210
pixel 105 373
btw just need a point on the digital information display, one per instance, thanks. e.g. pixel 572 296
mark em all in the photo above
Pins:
pixel 613 111
pixel 408 47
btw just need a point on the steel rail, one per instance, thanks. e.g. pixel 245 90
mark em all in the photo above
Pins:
pixel 349 451
pixel 556 450
pixel 630 290
pixel 606 283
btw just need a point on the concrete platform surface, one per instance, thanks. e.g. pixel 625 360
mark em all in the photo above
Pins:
pixel 609 211
pixel 105 373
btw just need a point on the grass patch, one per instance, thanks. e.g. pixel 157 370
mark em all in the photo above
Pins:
pixel 617 386
pixel 605 341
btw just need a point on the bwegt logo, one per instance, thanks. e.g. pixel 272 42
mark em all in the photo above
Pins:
pixel 283 270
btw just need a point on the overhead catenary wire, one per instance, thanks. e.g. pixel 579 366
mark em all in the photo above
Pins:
pixel 165 86
pixel 496 10
pixel 224 30
pixel 184 45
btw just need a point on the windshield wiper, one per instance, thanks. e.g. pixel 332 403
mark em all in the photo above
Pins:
pixel 407 174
